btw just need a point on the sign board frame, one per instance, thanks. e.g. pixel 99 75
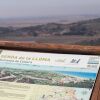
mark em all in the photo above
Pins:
pixel 57 48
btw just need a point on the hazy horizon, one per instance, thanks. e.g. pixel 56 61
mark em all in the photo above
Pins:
pixel 47 8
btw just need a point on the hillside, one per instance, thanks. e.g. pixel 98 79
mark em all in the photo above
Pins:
pixel 90 29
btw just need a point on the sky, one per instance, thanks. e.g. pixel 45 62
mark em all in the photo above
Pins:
pixel 38 8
